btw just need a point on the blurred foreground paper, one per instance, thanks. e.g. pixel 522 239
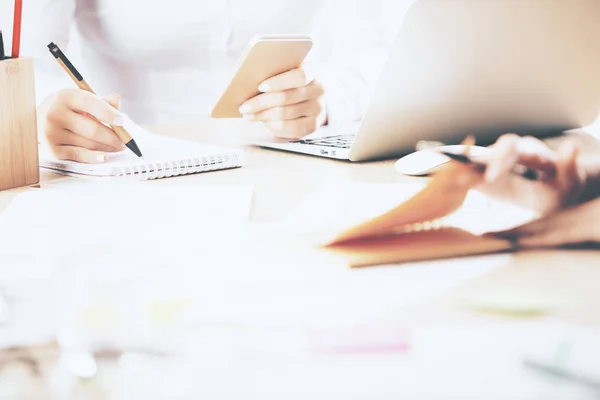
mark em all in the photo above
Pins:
pixel 39 223
pixel 117 230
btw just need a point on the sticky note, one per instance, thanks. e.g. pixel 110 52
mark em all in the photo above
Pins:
pixel 520 302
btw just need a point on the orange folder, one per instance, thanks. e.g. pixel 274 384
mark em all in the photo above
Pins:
pixel 413 230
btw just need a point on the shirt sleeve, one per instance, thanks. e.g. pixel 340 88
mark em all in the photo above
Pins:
pixel 46 21
pixel 353 40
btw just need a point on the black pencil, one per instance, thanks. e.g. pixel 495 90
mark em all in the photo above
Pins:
pixel 1 46
pixel 82 84
pixel 564 374
pixel 525 172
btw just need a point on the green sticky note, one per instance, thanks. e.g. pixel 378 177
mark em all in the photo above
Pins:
pixel 516 302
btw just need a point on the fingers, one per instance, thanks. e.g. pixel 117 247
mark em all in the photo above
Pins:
pixel 60 137
pixel 87 128
pixel 291 105
pixel 79 154
pixel 532 195
pixel 114 100
pixel 293 79
pixel 74 121
pixel 504 158
pixel 81 101
pixel 289 112
pixel 569 226
pixel 282 98
pixel 293 129
pixel 511 149
pixel 560 178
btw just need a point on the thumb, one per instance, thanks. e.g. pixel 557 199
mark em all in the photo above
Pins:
pixel 114 100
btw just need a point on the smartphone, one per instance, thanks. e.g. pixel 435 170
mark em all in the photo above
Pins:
pixel 264 57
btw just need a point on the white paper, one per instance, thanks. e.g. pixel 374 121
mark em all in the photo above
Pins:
pixel 113 210
pixel 133 222
pixel 140 230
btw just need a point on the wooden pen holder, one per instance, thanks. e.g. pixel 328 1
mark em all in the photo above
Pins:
pixel 19 162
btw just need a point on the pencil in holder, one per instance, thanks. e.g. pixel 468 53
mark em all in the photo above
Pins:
pixel 19 162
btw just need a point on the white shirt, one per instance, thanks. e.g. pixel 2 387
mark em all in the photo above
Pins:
pixel 170 59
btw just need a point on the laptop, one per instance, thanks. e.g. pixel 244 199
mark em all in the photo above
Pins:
pixel 475 67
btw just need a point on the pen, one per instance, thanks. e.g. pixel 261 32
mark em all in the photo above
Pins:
pixel 564 374
pixel 525 172
pixel 82 84
pixel 1 46
pixel 16 38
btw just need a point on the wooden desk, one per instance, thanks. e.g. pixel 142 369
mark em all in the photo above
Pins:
pixel 281 181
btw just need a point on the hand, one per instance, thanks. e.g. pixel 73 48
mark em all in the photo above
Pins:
pixel 291 105
pixel 72 125
pixel 562 179
pixel 578 224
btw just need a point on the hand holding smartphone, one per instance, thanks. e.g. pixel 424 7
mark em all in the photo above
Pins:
pixel 265 57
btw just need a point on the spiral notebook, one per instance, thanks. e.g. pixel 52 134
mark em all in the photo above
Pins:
pixel 164 157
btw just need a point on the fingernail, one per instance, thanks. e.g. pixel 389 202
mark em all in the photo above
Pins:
pixel 249 117
pixel 245 108
pixel 118 121
pixel 101 157
pixel 263 87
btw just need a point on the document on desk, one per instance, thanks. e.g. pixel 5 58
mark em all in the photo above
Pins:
pixel 87 216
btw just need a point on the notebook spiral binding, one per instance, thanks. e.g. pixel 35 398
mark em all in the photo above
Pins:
pixel 432 225
pixel 154 170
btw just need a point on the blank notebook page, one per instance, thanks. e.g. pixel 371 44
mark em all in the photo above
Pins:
pixel 163 157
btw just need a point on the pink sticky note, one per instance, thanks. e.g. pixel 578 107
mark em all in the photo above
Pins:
pixel 360 340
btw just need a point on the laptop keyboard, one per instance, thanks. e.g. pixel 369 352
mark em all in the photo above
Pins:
pixel 339 141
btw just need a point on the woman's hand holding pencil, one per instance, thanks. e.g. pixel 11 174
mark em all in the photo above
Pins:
pixel 72 121
pixel 81 126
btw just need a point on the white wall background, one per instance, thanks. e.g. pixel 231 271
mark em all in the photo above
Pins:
pixel 6 16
